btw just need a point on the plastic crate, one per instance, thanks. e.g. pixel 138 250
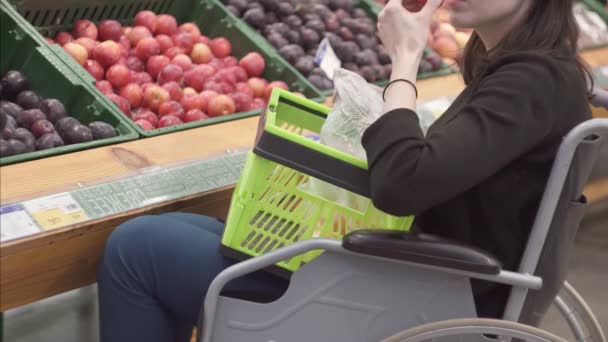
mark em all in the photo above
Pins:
pixel 49 17
pixel 273 205
pixel 50 78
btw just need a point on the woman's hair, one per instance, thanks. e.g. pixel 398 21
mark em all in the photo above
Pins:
pixel 550 28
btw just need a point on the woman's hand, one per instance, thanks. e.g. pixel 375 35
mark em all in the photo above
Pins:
pixel 404 33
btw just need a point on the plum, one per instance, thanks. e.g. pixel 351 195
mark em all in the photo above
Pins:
pixel 102 130
pixel 434 59
pixel 294 37
pixel 310 37
pixel 255 17
pixel 293 21
pixel 365 26
pixel 241 5
pixel 7 133
pixel 316 25
pixel 388 69
pixel 332 23
pixel 16 147
pixel 333 39
pixel 368 73
pixel 346 33
pixel 280 28
pixel 53 109
pixel 347 51
pixel 383 57
pixel 28 99
pixel 277 40
pixel 366 42
pixel 291 53
pixel 317 71
pixel 3 120
pixel 305 64
pixel 342 14
pixel 27 117
pixel 48 141
pixel 425 67
pixel 11 123
pixel 78 134
pixel 270 5
pixel 42 127
pixel 254 4
pixel 26 137
pixel 366 57
pixel 379 71
pixel 5 149
pixel 1 96
pixel 10 108
pixel 341 4
pixel 320 82
pixel 359 13
pixel 271 18
pixel 63 124
pixel 235 11
pixel 13 83
pixel 351 66
pixel 285 9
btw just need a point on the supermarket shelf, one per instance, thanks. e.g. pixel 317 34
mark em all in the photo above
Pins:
pixel 59 260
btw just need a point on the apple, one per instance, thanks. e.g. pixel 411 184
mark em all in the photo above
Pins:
pixel 213 85
pixel 145 86
pixel 184 40
pixel 239 73
pixel 154 96
pixel 133 93
pixel 195 115
pixel 253 63
pixel 88 44
pixel 104 87
pixel 192 101
pixel 94 68
pixel 216 63
pixel 141 78
pixel 225 75
pixel 63 38
pixel 146 114
pixel 77 51
pixel 174 89
pixel 156 64
pixel 183 61
pixel 201 53
pixel 191 28
pixel 165 42
pixel 174 51
pixel 258 103
pixel 168 121
pixel 230 61
pixel 171 73
pixel 258 85
pixel 147 19
pixel 220 47
pixel 145 124
pixel 134 63
pixel 206 96
pixel 118 75
pixel 121 103
pixel 203 39
pixel 242 101
pixel 107 53
pixel 221 105
pixel 110 30
pixel 171 108
pixel 243 87
pixel 188 91
pixel 85 28
pixel 138 33
pixel 197 76
pixel 166 24
pixel 272 85
pixel 125 43
pixel 146 48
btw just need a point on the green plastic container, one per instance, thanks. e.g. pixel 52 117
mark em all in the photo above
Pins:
pixel 50 78
pixel 273 205
pixel 49 17
pixel 597 7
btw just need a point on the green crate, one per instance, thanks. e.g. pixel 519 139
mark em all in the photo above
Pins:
pixel 49 17
pixel 50 78
pixel 272 207
pixel 597 7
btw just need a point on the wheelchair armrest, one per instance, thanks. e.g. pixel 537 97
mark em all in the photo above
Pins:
pixel 422 249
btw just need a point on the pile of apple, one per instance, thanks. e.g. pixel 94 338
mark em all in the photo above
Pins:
pixel 160 74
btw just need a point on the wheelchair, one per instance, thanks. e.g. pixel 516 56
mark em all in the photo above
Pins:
pixel 389 286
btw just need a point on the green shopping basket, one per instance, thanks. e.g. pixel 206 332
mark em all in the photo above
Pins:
pixel 273 206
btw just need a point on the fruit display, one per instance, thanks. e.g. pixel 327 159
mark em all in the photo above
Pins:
pixel 296 27
pixel 160 73
pixel 29 122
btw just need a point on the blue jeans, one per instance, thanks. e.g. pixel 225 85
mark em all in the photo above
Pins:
pixel 155 273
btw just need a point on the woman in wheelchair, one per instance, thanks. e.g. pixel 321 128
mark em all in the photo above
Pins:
pixel 477 177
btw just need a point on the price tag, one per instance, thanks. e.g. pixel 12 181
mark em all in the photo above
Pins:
pixel 55 211
pixel 15 223
pixel 326 59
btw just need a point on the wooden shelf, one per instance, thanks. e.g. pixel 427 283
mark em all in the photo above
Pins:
pixel 59 260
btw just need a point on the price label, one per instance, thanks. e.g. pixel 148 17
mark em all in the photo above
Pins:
pixel 15 223
pixel 327 59
pixel 55 211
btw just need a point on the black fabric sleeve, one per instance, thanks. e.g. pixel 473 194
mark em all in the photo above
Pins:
pixel 508 114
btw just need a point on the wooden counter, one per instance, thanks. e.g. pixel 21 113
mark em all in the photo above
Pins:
pixel 59 260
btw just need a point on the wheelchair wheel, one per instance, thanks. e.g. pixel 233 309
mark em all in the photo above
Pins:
pixel 459 329
pixel 583 323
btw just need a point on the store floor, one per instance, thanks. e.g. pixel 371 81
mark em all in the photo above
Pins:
pixel 72 317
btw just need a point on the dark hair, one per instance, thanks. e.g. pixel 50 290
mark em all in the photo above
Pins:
pixel 549 28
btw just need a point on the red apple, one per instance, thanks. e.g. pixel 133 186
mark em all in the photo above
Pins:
pixel 184 40
pixel 221 105
pixel 174 89
pixel 230 61
pixel 88 44
pixel 110 30
pixel 243 87
pixel 191 28
pixel 171 73
pixel 166 24
pixel 107 53
pixel 239 73
pixel 146 114
pixel 201 53
pixel 253 63
pixel 258 103
pixel 225 75
pixel 133 93
pixel 145 124
pixel 165 42
pixel 195 115
pixel 214 86
pixel 125 43
pixel 94 68
pixel 141 78
pixel 183 61
pixel 242 101
pixel 258 85
pixel 104 87
pixel 226 88
pixel 134 63
pixel 145 86
pixel 192 101
pixel 121 103
pixel 168 121
pixel 77 51
pixel 203 39
pixel 154 96
pixel 146 48
pixel 138 33
pixel 272 85
pixel 156 64
pixel 147 19
pixel 174 51
pixel 188 91
pixel 220 47
pixel 216 63
pixel 119 75
pixel 197 76
pixel 206 96
pixel 85 28
pixel 171 108
pixel 63 38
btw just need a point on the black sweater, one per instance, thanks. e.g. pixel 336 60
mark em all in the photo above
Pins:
pixel 479 174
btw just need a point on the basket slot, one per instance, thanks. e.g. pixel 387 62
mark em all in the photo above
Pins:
pixel 45 16
pixel 247 238
pixel 302 233
pixel 255 241
pixel 292 231
pixel 270 247
pixel 286 228
pixel 262 244
pixel 278 226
